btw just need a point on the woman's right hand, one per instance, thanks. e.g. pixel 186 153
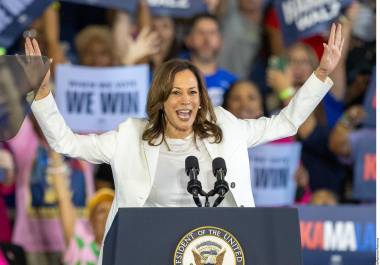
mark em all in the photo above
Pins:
pixel 32 49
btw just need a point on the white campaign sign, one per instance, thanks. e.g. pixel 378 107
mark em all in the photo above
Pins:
pixel 98 99
pixel 273 168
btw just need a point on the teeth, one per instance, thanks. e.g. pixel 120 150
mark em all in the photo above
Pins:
pixel 184 114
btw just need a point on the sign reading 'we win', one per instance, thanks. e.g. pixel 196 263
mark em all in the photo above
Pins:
pixel 98 99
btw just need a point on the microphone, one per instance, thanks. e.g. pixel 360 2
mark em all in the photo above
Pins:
pixel 219 170
pixel 194 186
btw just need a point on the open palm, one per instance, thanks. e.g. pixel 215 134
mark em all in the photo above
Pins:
pixel 332 50
pixel 34 66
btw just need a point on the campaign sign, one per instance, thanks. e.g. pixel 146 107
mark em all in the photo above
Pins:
pixel 273 168
pixel 16 16
pixel 338 235
pixel 363 153
pixel 303 18
pixel 173 8
pixel 370 102
pixel 129 6
pixel 98 99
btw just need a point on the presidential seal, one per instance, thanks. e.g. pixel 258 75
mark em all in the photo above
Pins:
pixel 209 245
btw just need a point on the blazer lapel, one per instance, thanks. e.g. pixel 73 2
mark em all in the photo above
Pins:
pixel 151 155
pixel 212 149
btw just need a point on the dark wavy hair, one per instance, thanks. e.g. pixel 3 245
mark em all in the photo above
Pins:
pixel 205 122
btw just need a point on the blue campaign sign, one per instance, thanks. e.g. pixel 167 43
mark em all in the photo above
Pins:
pixel 338 234
pixel 16 16
pixel 130 5
pixel 363 153
pixel 173 8
pixel 177 8
pixel 303 18
pixel 370 102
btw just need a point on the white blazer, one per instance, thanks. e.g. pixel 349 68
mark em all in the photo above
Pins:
pixel 134 161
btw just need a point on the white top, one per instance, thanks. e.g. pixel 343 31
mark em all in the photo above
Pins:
pixel 170 183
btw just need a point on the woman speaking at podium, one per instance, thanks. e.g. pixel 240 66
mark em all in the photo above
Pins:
pixel 147 155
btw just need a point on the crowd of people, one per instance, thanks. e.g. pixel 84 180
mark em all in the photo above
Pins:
pixel 54 208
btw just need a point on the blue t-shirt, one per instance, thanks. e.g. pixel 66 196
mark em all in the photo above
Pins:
pixel 218 83
pixel 333 109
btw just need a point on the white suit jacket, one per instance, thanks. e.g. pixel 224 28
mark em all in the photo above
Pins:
pixel 134 161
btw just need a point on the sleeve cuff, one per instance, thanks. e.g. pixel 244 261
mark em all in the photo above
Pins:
pixel 44 107
pixel 47 102
pixel 328 83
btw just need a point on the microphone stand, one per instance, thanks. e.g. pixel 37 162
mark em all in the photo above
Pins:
pixel 194 187
pixel 221 186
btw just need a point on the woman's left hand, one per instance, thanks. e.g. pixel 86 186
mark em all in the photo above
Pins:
pixel 332 52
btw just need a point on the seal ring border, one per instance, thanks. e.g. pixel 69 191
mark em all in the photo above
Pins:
pixel 213 227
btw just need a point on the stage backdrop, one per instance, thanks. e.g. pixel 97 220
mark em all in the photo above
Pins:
pixel 341 235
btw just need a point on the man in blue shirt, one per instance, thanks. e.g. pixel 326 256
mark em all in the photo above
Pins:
pixel 205 42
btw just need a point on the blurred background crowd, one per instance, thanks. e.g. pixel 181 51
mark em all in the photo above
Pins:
pixel 238 46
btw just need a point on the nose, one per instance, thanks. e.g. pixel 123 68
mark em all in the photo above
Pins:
pixel 185 99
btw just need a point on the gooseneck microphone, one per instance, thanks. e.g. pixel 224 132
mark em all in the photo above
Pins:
pixel 219 170
pixel 194 186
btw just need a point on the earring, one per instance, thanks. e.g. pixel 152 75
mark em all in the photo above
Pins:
pixel 199 107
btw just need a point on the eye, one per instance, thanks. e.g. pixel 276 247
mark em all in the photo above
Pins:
pixel 175 92
pixel 193 92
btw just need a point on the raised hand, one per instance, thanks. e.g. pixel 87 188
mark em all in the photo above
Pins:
pixel 32 49
pixel 332 52
pixel 146 44
pixel 278 80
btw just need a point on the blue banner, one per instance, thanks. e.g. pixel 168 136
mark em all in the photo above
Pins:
pixel 173 8
pixel 130 5
pixel 333 235
pixel 370 102
pixel 363 153
pixel 304 18
pixel 16 16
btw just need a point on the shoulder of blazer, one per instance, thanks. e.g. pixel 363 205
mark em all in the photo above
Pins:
pixel 232 127
pixel 223 116
pixel 133 124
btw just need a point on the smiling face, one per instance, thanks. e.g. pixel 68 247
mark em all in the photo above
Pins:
pixel 182 105
pixel 165 28
pixel 244 101
pixel 300 63
pixel 205 40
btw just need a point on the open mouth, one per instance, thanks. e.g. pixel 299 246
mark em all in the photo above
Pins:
pixel 184 115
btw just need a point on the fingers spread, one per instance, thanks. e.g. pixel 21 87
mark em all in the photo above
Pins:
pixel 332 35
pixel 144 32
pixel 338 37
pixel 29 47
pixel 36 47
pixel 341 45
pixel 26 49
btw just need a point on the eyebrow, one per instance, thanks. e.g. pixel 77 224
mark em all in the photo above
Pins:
pixel 183 88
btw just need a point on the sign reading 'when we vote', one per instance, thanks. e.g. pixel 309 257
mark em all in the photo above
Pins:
pixel 98 99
